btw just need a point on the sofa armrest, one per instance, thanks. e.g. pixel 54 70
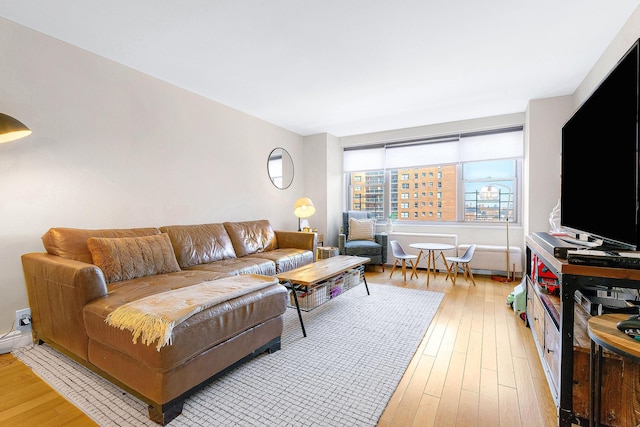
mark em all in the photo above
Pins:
pixel 342 239
pixel 58 289
pixel 381 239
pixel 297 239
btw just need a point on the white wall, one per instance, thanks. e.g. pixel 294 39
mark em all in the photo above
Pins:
pixel 112 147
pixel 335 188
pixel 314 170
pixel 323 182
pixel 543 146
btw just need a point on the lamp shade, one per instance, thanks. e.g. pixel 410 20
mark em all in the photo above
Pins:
pixel 12 129
pixel 303 208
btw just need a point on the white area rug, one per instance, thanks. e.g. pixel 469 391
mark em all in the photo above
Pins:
pixel 342 374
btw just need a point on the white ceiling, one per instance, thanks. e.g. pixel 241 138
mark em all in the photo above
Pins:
pixel 346 66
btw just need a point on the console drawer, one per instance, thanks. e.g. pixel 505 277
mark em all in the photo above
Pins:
pixel 552 349
pixel 535 314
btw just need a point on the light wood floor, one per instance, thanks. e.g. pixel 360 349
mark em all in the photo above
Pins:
pixel 29 401
pixel 476 366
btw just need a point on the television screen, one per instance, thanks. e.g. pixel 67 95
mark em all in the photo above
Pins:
pixel 599 183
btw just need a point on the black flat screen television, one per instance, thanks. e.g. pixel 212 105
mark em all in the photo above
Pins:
pixel 599 183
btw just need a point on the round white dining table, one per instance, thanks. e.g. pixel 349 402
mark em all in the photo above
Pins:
pixel 431 249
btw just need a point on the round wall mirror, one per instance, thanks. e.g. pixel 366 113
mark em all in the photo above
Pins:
pixel 280 168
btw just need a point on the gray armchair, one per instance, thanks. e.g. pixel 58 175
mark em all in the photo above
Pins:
pixel 376 250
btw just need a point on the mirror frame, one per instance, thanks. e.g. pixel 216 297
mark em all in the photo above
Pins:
pixel 281 156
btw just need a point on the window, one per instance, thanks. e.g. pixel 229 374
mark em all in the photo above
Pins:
pixel 369 195
pixel 488 200
pixel 473 178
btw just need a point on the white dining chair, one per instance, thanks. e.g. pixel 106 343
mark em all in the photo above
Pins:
pixel 402 257
pixel 461 262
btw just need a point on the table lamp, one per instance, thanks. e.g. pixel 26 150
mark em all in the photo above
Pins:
pixel 303 208
pixel 12 129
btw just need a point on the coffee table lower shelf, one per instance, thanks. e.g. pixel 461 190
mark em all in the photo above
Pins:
pixel 317 283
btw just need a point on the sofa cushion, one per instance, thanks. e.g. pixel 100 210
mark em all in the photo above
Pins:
pixel 199 244
pixel 196 335
pixel 235 266
pixel 287 259
pixel 126 258
pixel 251 237
pixel 362 229
pixel 152 319
pixel 71 243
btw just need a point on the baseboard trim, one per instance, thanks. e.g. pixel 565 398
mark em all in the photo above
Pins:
pixel 15 339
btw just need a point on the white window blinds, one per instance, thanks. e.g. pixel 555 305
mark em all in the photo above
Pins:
pixel 363 159
pixel 493 146
pixel 422 154
pixel 448 150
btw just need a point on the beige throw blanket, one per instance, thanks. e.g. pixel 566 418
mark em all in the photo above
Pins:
pixel 154 317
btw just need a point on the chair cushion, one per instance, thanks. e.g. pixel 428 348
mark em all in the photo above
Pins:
pixel 362 229
pixel 365 248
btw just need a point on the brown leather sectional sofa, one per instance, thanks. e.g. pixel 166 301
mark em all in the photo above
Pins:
pixel 87 274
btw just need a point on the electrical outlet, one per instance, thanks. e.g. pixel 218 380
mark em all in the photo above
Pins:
pixel 23 319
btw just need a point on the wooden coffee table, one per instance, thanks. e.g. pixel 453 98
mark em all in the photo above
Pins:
pixel 312 274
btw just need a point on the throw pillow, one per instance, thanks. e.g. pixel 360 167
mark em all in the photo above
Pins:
pixel 127 258
pixel 362 229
